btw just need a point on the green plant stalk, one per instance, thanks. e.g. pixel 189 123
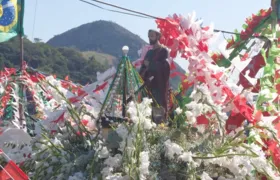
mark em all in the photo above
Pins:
pixel 225 155
pixel 91 173
pixel 51 142
pixel 41 168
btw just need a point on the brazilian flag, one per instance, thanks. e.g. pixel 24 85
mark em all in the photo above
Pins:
pixel 11 19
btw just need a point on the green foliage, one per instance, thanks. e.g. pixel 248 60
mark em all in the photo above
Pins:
pixel 59 61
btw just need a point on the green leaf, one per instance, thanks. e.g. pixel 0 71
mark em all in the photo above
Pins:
pixel 244 26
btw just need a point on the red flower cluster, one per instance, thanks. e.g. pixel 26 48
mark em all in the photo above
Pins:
pixel 175 39
pixel 251 24
pixel 253 67
pixel 247 111
pixel 217 57
pixel 5 98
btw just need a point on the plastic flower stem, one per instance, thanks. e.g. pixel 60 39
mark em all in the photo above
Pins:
pixel 57 168
pixel 246 147
pixel 221 129
pixel 46 137
pixel 239 133
pixel 225 155
pixel 129 132
pixel 91 173
pixel 262 171
pixel 41 168
pixel 73 113
pixel 139 144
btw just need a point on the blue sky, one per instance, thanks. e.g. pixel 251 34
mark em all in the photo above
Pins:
pixel 57 16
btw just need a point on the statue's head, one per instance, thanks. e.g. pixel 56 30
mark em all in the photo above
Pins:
pixel 154 36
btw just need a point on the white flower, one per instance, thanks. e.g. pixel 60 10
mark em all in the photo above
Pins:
pixel 147 101
pixel 200 128
pixel 186 157
pixel 190 117
pixel 172 149
pixel 205 176
pixel 57 142
pixel 144 166
pixel 103 153
pixel 113 161
pixel 107 171
pixel 178 110
pixel 140 113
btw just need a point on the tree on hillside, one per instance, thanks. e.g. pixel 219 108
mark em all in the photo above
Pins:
pixel 59 61
pixel 37 40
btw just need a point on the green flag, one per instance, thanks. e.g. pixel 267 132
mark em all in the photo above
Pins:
pixel 11 19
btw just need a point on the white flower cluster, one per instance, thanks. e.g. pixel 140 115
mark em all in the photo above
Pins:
pixel 141 121
pixel 240 165
pixel 111 164
pixel 144 164
pixel 141 113
pixel 172 149
pixel 243 165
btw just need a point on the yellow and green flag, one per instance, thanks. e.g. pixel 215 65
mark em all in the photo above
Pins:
pixel 11 19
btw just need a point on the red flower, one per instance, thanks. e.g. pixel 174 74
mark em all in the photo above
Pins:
pixel 217 76
pixel 234 121
pixel 201 79
pixel 189 32
pixel 183 43
pixel 206 28
pixel 230 43
pixel 173 53
pixel 84 122
pixel 215 57
pixel 244 109
pixel 202 47
pixel 244 35
pixel 78 133
pixel 253 67
pixel 202 120
pixel 229 94
pixel 272 147
pixel 245 57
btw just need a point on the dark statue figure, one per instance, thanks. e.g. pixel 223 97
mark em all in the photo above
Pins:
pixel 156 65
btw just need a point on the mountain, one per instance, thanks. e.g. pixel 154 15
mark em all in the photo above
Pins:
pixel 60 61
pixel 100 37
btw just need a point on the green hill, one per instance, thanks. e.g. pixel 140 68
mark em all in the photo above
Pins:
pixel 104 59
pixel 59 61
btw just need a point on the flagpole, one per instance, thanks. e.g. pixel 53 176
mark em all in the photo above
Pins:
pixel 21 93
pixel 21 52
pixel 21 38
